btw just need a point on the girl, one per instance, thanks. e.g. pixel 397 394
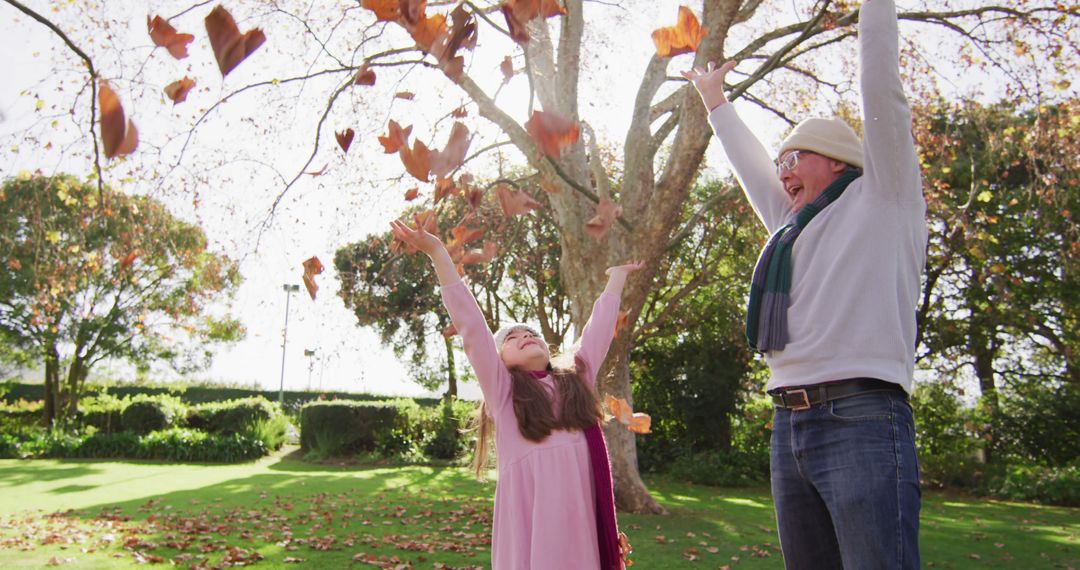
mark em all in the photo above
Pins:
pixel 554 507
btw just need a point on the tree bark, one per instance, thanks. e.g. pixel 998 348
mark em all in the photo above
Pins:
pixel 451 372
pixel 52 384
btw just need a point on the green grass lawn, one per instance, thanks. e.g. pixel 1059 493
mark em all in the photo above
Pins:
pixel 282 512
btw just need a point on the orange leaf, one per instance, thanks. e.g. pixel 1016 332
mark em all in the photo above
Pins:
pixel 429 32
pixel 514 202
pixel 395 138
pixel 312 267
pixel 551 132
pixel 230 46
pixel 417 160
pixel 475 256
pixel 129 259
pixel 412 11
pixel 178 90
pixel 364 76
pixel 681 38
pixel 411 194
pixel 620 410
pixel 344 139
pixel 518 13
pixel 621 321
pixel 449 331
pixel 164 35
pixel 640 423
pixel 385 10
pixel 507 68
pixel 451 157
pixel 444 187
pixel 606 212
pixel 118 134
pixel 464 234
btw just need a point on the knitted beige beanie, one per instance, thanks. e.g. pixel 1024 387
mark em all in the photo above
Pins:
pixel 828 137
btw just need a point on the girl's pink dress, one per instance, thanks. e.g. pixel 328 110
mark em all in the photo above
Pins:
pixel 545 507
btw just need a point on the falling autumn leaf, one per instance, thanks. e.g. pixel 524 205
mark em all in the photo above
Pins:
pixel 178 90
pixel 118 133
pixel 385 10
pixel 319 172
pixel 417 160
pixel 624 414
pixel 451 157
pixel 411 194
pixel 396 137
pixel 230 46
pixel 475 256
pixel 621 322
pixel 518 13
pixel 129 260
pixel 406 95
pixel 459 113
pixel 312 267
pixel 164 35
pixel 507 68
pixel 681 38
pixel 449 331
pixel 344 139
pixel 364 76
pixel 428 31
pixel 444 187
pixel 551 132
pixel 514 202
pixel 606 212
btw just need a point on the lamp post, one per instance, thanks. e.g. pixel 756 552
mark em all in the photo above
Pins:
pixel 289 290
pixel 310 354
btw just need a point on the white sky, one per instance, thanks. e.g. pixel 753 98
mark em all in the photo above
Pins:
pixel 239 157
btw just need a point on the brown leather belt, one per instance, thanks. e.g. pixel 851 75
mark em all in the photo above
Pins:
pixel 803 397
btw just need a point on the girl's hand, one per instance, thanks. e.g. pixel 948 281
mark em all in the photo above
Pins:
pixel 419 238
pixel 625 269
pixel 710 83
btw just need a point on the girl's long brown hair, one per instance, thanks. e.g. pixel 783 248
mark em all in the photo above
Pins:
pixel 535 410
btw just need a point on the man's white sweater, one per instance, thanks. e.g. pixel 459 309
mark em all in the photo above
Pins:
pixel 857 265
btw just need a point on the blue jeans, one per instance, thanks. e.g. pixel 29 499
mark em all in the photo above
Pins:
pixel 845 482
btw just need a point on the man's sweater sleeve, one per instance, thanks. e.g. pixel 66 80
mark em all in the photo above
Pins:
pixel 753 166
pixel 891 162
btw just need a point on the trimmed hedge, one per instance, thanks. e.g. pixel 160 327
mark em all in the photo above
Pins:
pixel 233 416
pixel 177 444
pixel 339 427
pixel 146 414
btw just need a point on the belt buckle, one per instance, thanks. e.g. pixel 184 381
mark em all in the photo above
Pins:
pixel 805 405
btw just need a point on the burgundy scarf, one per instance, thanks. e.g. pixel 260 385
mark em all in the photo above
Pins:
pixel 607 531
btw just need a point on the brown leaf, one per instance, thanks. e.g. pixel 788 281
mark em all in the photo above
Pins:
pixel 406 95
pixel 364 76
pixel 464 234
pixel 444 187
pixel 515 202
pixel 507 68
pixel 606 212
pixel 453 68
pixel 451 157
pixel 118 134
pixel 551 132
pixel 312 267
pixel 449 331
pixel 460 113
pixel 385 10
pixel 230 46
pixel 412 11
pixel 417 160
pixel 164 35
pixel 621 321
pixel 318 172
pixel 344 139
pixel 178 90
pixel 411 194
pixel 681 38
pixel 485 255
pixel 518 13
pixel 395 138
pixel 429 31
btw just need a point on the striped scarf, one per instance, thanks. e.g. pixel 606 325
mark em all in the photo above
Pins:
pixel 770 289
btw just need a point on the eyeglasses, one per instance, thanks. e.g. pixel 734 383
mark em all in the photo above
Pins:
pixel 789 162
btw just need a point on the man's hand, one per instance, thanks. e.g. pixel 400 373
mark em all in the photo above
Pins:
pixel 710 83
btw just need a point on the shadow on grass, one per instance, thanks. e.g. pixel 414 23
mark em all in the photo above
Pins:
pixel 22 471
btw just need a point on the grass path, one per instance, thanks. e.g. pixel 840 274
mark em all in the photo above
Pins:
pixel 280 512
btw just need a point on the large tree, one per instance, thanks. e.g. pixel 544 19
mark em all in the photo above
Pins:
pixel 664 145
pixel 90 277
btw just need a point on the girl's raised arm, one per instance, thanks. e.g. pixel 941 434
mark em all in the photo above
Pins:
pixel 480 346
pixel 598 333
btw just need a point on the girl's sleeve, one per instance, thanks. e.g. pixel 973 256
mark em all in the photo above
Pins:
pixel 480 347
pixel 597 335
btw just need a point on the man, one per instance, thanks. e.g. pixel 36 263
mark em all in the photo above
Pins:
pixel 832 307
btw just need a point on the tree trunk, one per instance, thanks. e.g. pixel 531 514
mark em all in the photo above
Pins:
pixel 451 372
pixel 52 384
pixel 77 372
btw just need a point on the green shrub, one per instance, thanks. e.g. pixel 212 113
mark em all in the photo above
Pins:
pixel 146 414
pixel 103 411
pixel 231 416
pixel 946 438
pixel 104 445
pixel 720 468
pixel 443 430
pixel 1050 485
pixel 20 413
pixel 340 427
pixel 271 432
